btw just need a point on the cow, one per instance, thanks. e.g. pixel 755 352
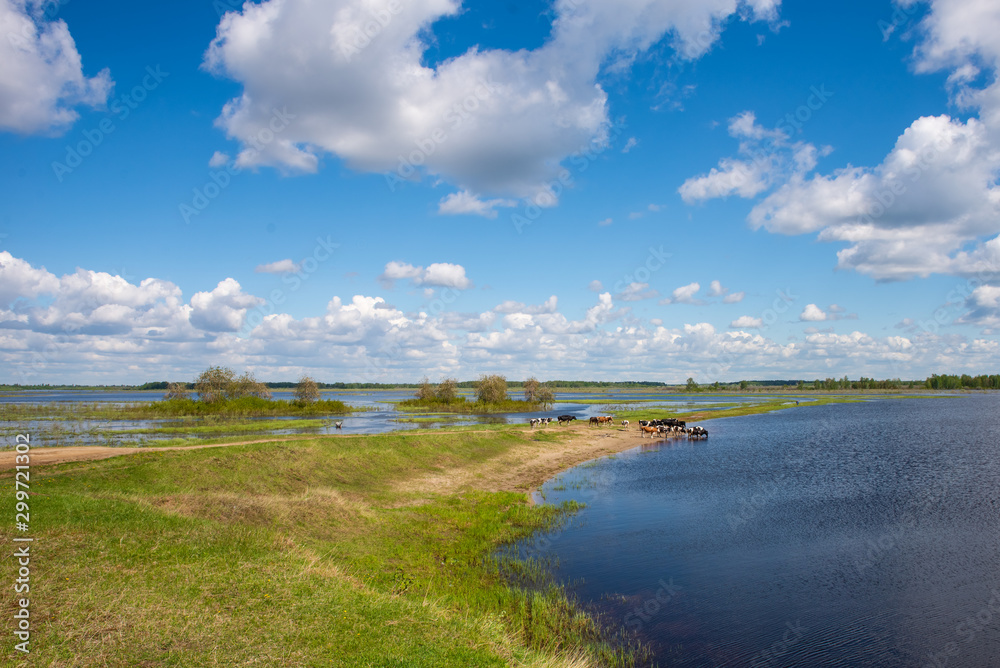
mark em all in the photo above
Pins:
pixel 595 420
pixel 338 424
pixel 565 419
pixel 548 420
pixel 534 421
pixel 647 430
pixel 625 424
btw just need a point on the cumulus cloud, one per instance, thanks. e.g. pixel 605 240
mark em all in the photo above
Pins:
pixel 439 274
pixel 550 305
pixel 42 80
pixel 223 309
pixel 684 295
pixel 489 121
pixel 747 322
pixel 90 326
pixel 734 298
pixel 812 313
pixel 716 289
pixel 19 279
pixel 280 267
pixel 930 206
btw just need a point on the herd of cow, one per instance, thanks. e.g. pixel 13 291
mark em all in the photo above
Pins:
pixel 669 427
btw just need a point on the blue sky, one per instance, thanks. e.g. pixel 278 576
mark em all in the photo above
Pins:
pixel 575 189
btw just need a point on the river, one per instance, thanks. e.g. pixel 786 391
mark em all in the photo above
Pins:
pixel 842 535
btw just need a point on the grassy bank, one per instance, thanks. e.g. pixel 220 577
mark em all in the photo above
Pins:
pixel 326 551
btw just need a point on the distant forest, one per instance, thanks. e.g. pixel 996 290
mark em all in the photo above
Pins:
pixel 935 382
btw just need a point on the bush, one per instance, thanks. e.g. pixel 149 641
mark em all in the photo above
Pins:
pixel 491 389
pixel 307 391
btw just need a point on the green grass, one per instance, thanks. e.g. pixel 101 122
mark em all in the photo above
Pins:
pixel 294 554
pixel 461 405
pixel 243 407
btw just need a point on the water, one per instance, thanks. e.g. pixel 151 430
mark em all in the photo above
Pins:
pixel 381 414
pixel 841 535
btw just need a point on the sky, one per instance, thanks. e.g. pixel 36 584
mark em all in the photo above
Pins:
pixel 386 190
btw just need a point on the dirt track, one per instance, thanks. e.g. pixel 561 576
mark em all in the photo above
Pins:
pixel 522 468
pixel 86 453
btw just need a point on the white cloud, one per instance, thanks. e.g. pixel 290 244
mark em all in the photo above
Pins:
pixel 42 80
pixel 487 120
pixel 734 298
pixel 684 295
pixel 771 159
pixel 715 289
pixel 280 267
pixel 630 144
pixel 605 222
pixel 223 309
pixel 96 327
pixel 550 305
pixel 464 202
pixel 19 279
pixel 812 313
pixel 218 159
pixel 747 322
pixel 445 275
pixel 596 286
pixel 930 206
pixel 634 292
pixel 439 274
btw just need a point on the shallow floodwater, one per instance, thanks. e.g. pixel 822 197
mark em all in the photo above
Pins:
pixel 841 535
pixel 380 414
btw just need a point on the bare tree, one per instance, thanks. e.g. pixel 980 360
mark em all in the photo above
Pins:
pixel 545 396
pixel 447 391
pixel 176 391
pixel 426 390
pixel 214 384
pixel 307 391
pixel 491 389
pixel 248 386
pixel 531 389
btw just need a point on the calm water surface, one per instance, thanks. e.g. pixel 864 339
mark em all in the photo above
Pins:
pixel 843 535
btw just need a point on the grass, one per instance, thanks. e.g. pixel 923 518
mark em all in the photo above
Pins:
pixel 244 407
pixel 713 411
pixel 301 553
pixel 461 405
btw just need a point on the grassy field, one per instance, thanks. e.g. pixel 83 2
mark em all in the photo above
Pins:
pixel 322 551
